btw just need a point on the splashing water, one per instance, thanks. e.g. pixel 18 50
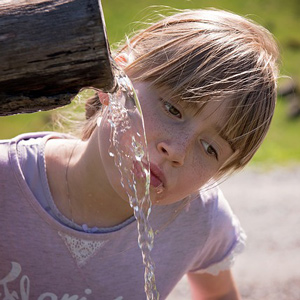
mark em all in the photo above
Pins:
pixel 129 149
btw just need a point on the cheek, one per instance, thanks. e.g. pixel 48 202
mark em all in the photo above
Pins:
pixel 156 125
pixel 125 129
pixel 151 112
pixel 193 179
pixel 201 170
pixel 151 126
pixel 104 135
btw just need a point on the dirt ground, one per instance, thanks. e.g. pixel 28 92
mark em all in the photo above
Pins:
pixel 268 206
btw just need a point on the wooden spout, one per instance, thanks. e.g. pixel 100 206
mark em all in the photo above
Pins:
pixel 49 50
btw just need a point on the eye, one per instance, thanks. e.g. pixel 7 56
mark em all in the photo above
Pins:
pixel 171 109
pixel 209 149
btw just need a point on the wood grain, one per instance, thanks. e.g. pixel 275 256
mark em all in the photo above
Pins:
pixel 49 50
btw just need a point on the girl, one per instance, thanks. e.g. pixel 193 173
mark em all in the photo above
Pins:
pixel 206 81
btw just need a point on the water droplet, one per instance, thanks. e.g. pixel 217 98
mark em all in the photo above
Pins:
pixel 159 189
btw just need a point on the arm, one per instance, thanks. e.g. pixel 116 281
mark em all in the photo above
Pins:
pixel 209 287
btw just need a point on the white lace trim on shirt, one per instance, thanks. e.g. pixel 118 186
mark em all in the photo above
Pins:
pixel 81 249
pixel 229 260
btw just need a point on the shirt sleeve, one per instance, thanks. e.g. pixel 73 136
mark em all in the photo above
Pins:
pixel 225 240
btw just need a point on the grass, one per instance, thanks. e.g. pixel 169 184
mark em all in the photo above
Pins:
pixel 11 126
pixel 282 145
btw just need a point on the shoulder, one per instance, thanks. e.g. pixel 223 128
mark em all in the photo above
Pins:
pixel 223 221
pixel 206 209
pixel 224 236
pixel 25 137
pixel 12 149
pixel 215 215
pixel 4 149
pixel 213 203
pixel 204 218
pixel 212 196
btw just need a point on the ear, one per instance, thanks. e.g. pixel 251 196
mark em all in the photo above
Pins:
pixel 103 97
pixel 123 59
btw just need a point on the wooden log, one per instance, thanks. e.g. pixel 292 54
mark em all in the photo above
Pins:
pixel 49 49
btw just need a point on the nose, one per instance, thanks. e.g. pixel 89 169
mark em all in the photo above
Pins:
pixel 175 152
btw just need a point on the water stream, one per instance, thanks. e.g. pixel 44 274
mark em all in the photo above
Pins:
pixel 129 149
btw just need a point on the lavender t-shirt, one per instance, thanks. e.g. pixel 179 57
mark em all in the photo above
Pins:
pixel 42 256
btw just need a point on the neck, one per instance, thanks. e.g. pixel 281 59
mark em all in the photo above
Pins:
pixel 85 194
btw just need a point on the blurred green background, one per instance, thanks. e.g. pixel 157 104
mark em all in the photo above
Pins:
pixel 282 145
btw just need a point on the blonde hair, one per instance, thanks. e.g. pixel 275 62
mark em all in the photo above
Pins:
pixel 212 55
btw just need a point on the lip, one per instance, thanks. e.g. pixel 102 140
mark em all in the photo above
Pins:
pixel 157 178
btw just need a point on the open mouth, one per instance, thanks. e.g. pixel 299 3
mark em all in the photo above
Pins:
pixel 157 179
pixel 156 176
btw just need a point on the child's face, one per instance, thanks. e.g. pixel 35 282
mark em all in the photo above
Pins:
pixel 184 147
